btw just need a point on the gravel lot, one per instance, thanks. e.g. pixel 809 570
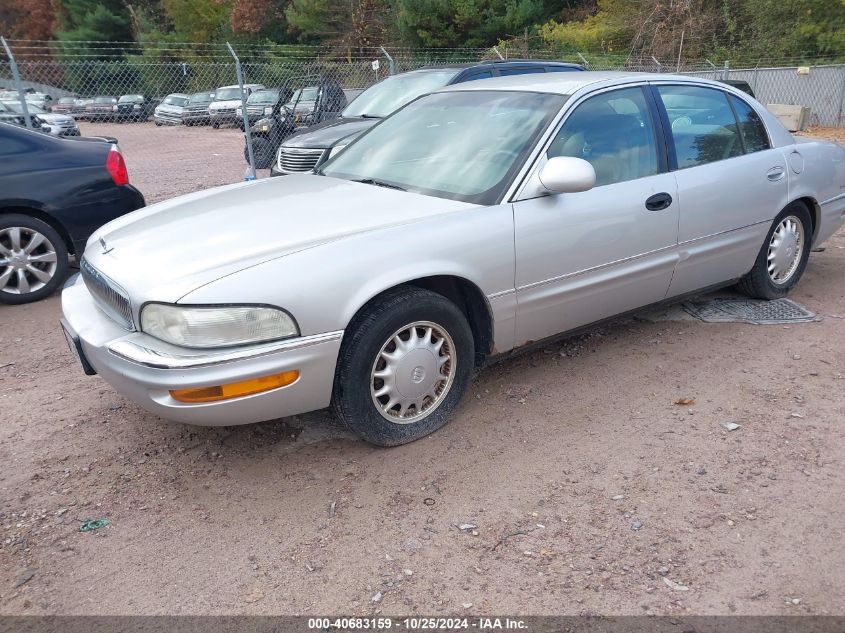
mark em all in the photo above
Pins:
pixel 591 490
pixel 168 161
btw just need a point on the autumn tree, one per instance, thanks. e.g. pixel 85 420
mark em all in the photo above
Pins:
pixel 34 20
pixel 356 24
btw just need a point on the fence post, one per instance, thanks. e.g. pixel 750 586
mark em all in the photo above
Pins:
pixel 247 133
pixel 659 65
pixel 391 65
pixel 726 73
pixel 17 77
pixel 841 98
pixel 583 60
pixel 496 50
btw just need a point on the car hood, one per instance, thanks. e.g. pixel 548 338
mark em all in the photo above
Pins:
pixel 165 251
pixel 169 108
pixel 330 134
pixel 55 119
pixel 229 103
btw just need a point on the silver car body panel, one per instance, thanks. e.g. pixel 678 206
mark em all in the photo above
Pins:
pixel 321 248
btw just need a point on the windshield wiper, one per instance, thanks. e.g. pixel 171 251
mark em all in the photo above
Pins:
pixel 379 183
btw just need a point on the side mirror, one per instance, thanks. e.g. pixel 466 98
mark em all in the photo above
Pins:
pixel 566 174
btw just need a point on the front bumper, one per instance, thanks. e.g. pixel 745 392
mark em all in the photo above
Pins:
pixel 145 369
pixel 167 119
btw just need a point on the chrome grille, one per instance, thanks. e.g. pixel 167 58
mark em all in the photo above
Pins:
pixel 294 159
pixel 108 296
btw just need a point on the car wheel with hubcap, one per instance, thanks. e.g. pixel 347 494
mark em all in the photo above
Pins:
pixel 33 259
pixel 783 256
pixel 404 364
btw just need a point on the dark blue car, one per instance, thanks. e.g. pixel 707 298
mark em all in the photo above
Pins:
pixel 54 193
pixel 310 148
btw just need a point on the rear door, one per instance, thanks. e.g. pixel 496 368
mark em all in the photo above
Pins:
pixel 731 183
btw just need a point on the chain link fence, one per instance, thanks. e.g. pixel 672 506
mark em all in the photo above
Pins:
pixel 175 108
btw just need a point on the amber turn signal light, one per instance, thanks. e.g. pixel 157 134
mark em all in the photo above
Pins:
pixel 235 389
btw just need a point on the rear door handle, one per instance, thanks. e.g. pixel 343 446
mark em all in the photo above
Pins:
pixel 658 202
pixel 775 173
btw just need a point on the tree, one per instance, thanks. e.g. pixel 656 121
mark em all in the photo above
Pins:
pixel 355 24
pixel 93 21
pixel 33 21
pixel 467 23
pixel 199 21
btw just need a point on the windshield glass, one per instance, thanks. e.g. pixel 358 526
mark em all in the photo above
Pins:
pixel 130 99
pixel 201 97
pixel 105 100
pixel 227 94
pixel 264 96
pixel 67 100
pixel 304 94
pixel 15 106
pixel 389 95
pixel 457 145
pixel 177 100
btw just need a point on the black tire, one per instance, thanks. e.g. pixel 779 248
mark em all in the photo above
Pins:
pixel 352 400
pixel 262 152
pixel 215 125
pixel 758 283
pixel 9 293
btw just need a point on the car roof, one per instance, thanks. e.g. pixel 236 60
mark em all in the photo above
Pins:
pixel 568 83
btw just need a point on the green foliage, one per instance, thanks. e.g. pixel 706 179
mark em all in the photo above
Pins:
pixel 794 27
pixel 93 20
pixel 199 20
pixel 465 23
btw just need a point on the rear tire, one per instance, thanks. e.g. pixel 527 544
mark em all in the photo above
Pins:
pixel 215 125
pixel 413 347
pixel 783 256
pixel 30 242
pixel 262 151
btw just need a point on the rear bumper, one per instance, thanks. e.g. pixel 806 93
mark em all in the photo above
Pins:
pixel 146 370
pixel 105 207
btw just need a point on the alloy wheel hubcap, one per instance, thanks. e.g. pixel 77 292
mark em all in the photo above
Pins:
pixel 785 249
pixel 27 260
pixel 413 372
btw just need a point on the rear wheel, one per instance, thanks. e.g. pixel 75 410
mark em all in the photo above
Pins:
pixel 403 367
pixel 33 259
pixel 783 256
pixel 262 151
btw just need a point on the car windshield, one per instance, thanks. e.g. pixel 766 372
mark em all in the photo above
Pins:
pixel 457 145
pixel 202 97
pixel 177 100
pixel 130 99
pixel 389 95
pixel 227 94
pixel 67 100
pixel 15 106
pixel 304 94
pixel 264 96
pixel 105 100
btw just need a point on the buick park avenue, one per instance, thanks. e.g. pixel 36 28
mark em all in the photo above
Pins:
pixel 472 221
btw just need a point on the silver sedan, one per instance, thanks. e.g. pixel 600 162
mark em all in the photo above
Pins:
pixel 473 221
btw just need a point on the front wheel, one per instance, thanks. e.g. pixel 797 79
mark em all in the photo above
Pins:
pixel 33 259
pixel 783 256
pixel 403 367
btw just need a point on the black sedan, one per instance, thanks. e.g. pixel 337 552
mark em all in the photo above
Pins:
pixel 54 193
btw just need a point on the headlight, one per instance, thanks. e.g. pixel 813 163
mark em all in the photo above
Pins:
pixel 114 108
pixel 337 149
pixel 268 110
pixel 216 326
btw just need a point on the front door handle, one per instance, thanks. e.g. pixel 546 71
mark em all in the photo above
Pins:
pixel 658 202
pixel 775 173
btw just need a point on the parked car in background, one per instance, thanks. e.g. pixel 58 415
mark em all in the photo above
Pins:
pixel 101 109
pixel 80 108
pixel 169 111
pixel 325 103
pixel 133 108
pixel 65 105
pixel 53 194
pixel 41 100
pixel 226 101
pixel 477 219
pixel 259 104
pixel 49 122
pixel 739 84
pixel 195 111
pixel 310 148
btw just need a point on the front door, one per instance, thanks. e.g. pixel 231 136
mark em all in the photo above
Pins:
pixel 581 257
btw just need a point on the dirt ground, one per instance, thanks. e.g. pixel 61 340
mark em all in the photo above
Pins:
pixel 591 490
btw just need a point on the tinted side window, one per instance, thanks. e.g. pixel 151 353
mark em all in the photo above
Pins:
pixel 704 128
pixel 613 132
pixel 482 75
pixel 750 126
pixel 521 71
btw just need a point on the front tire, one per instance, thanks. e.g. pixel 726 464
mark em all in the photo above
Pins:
pixel 33 259
pixel 783 256
pixel 403 367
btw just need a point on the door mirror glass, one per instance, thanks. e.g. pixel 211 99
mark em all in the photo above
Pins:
pixel 567 174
